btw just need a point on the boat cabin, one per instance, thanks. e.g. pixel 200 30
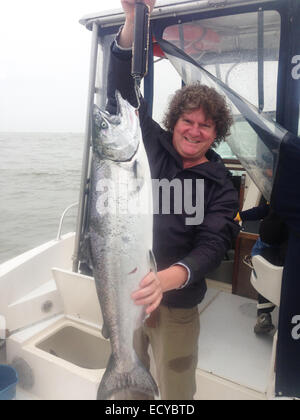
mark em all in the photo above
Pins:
pixel 248 50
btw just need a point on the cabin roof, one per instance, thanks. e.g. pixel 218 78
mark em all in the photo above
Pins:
pixel 164 8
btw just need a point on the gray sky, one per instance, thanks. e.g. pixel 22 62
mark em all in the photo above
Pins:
pixel 44 60
pixel 44 66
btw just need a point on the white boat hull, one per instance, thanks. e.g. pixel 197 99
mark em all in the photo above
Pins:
pixel 54 322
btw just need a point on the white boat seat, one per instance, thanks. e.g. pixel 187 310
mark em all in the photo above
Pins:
pixel 266 278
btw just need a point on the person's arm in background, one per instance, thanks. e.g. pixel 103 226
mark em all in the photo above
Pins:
pixel 255 213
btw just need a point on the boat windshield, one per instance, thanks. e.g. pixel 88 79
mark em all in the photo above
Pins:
pixel 237 55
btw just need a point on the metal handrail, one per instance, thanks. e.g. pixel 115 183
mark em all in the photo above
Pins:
pixel 58 238
pixel 87 144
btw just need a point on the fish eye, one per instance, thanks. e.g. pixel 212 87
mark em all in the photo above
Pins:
pixel 104 125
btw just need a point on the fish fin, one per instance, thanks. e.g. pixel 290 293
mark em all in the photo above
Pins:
pixel 85 256
pixel 139 380
pixel 139 176
pixel 139 171
pixel 105 332
pixel 152 262
pixel 153 268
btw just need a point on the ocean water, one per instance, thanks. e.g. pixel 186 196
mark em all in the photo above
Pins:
pixel 39 178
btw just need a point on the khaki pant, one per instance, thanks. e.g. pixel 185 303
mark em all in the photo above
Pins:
pixel 173 335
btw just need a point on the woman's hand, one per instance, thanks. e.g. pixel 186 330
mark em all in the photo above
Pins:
pixel 150 292
pixel 154 285
pixel 126 36
pixel 128 7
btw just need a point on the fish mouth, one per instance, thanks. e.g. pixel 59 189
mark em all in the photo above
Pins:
pixel 103 115
pixel 118 100
pixel 112 118
pixel 124 108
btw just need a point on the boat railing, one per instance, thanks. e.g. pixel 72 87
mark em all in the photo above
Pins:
pixel 58 238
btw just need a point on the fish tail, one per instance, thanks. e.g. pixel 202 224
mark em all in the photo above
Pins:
pixel 138 380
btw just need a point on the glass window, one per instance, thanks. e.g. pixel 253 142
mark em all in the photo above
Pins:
pixel 228 47
pixel 166 82
pixel 241 51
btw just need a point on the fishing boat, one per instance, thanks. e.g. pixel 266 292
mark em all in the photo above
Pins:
pixel 50 319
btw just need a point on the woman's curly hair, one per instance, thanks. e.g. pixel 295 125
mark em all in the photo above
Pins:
pixel 197 96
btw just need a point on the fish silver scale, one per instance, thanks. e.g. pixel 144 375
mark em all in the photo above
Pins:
pixel 121 241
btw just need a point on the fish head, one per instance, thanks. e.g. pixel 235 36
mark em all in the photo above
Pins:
pixel 116 137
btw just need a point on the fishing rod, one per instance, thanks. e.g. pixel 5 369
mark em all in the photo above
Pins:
pixel 140 47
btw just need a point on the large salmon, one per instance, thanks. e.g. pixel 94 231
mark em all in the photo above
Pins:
pixel 120 236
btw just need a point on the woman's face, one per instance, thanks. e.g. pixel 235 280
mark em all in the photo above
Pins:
pixel 193 135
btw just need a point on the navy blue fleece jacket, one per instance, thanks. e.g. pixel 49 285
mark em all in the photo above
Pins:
pixel 200 247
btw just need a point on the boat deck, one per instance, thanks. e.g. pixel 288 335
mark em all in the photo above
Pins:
pixel 228 347
pixel 229 351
